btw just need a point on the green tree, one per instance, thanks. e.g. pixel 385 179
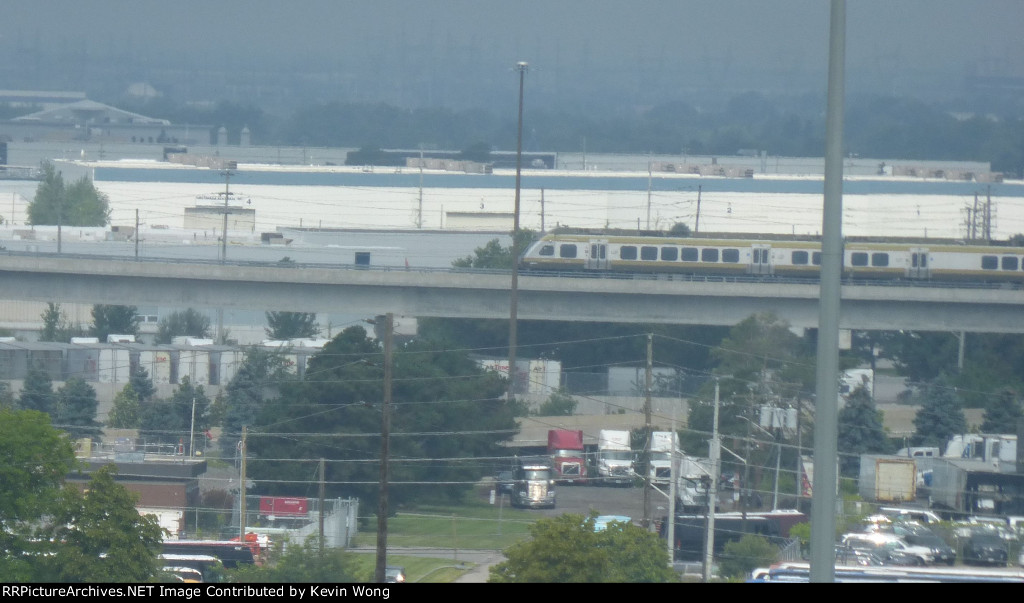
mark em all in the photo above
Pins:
pixel 34 459
pixel 1003 414
pixel 125 412
pixel 940 415
pixel 860 429
pixel 79 204
pixel 558 404
pixel 743 556
pixel 301 563
pixel 494 255
pixel 76 409
pixel 457 407
pixel 292 325
pixel 37 391
pixel 98 536
pixel 257 380
pixel 56 326
pixel 567 549
pixel 171 421
pixel 117 320
pixel 187 322
pixel 141 383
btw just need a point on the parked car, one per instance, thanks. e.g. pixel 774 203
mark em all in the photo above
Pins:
pixel 860 557
pixel 893 549
pixel 394 573
pixel 985 547
pixel 916 534
pixel 505 481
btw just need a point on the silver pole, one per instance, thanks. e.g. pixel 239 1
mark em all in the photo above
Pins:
pixel 826 411
pixel 714 453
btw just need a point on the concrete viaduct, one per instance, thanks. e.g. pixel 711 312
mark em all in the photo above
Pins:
pixel 442 293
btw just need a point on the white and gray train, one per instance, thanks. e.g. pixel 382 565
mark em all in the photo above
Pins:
pixel 939 261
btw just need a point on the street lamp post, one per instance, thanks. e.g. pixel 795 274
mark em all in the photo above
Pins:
pixel 521 67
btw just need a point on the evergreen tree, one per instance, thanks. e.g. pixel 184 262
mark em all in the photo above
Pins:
pixel 185 323
pixel 141 383
pixel 940 416
pixel 1004 413
pixel 291 325
pixel 125 412
pixel 444 395
pixel 118 320
pixel 76 409
pixel 52 320
pixel 56 326
pixel 172 421
pixel 258 380
pixel 37 391
pixel 860 430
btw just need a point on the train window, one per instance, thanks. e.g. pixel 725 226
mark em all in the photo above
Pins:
pixel 989 262
pixel 799 258
pixel 709 254
pixel 816 258
pixel 731 255
pixel 669 254
pixel 627 252
pixel 1010 262
pixel 648 253
pixel 547 250
pixel 567 251
pixel 858 258
pixel 880 259
pixel 690 254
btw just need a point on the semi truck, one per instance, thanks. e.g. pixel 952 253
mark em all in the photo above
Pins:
pixel 614 458
pixel 533 483
pixel 888 479
pixel 565 446
pixel 663 444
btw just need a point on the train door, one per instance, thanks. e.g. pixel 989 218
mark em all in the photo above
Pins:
pixel 761 260
pixel 919 266
pixel 597 258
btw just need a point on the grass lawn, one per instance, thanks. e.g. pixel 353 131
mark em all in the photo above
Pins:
pixel 417 569
pixel 471 526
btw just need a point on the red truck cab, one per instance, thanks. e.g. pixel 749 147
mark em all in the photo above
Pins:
pixel 565 447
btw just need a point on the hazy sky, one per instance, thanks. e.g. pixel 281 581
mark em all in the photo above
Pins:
pixel 453 51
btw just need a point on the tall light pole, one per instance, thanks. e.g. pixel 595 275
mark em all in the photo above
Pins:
pixel 227 195
pixel 521 67
pixel 826 411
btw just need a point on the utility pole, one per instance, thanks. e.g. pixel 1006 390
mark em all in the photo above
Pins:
pixel 673 473
pixel 385 436
pixel 227 195
pixel 241 488
pixel 322 501
pixel 136 234
pixel 521 67
pixel 714 453
pixel 647 424
pixel 696 224
pixel 419 213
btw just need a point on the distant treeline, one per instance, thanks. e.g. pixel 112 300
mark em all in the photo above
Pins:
pixel 882 127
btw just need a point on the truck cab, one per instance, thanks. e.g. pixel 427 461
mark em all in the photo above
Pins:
pixel 565 446
pixel 614 460
pixel 533 484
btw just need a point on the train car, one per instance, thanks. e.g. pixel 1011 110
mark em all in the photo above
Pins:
pixel 941 261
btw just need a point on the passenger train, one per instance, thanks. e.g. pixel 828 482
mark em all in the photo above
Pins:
pixel 933 260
